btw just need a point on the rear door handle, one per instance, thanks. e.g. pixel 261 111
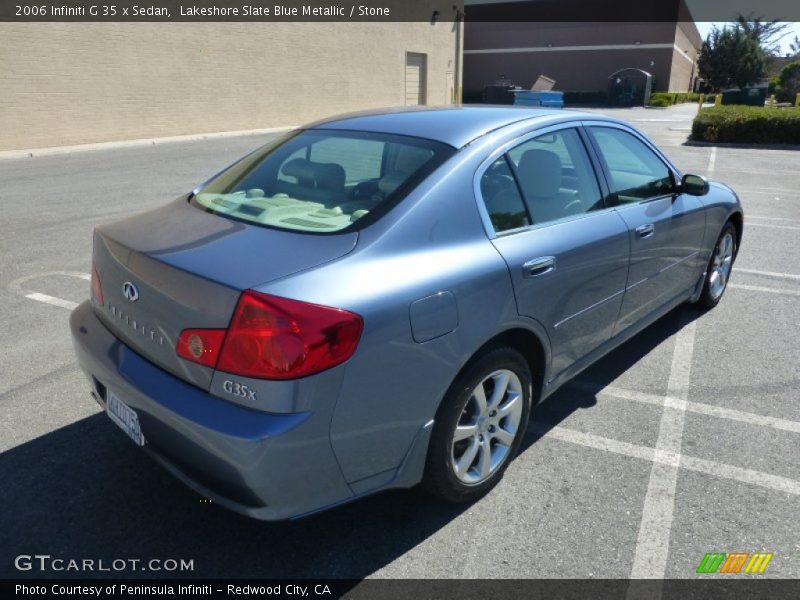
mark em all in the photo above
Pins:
pixel 539 266
pixel 645 231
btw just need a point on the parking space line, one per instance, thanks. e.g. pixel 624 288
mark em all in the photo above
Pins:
pixel 769 290
pixel 691 463
pixel 695 407
pixel 771 226
pixel 769 273
pixel 51 300
pixel 749 216
pixel 652 544
pixel 712 159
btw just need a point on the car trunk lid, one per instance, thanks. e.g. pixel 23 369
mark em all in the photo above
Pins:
pixel 179 267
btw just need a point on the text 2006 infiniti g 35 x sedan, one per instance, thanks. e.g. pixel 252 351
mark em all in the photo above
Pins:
pixel 377 300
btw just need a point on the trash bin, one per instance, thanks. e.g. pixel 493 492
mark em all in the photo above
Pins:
pixel 547 99
pixel 733 96
pixel 754 96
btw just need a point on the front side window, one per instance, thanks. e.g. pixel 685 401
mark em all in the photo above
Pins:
pixel 322 181
pixel 637 173
pixel 556 176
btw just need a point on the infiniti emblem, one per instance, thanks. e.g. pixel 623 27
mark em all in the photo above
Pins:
pixel 130 291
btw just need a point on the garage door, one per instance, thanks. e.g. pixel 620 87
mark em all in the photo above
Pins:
pixel 415 78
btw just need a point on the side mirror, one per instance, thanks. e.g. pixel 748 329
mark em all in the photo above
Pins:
pixel 694 185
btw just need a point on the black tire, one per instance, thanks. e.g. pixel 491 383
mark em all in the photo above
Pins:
pixel 440 478
pixel 708 299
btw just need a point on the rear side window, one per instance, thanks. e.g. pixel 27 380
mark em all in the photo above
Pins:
pixel 637 173
pixel 321 181
pixel 502 198
pixel 556 176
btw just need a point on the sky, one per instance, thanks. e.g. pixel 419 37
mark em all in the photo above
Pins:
pixel 705 28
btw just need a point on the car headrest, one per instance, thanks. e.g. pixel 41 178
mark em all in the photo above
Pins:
pixel 329 176
pixel 302 169
pixel 539 173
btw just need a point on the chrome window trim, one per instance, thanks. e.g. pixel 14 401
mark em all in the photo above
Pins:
pixel 502 150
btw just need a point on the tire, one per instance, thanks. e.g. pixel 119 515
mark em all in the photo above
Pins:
pixel 719 267
pixel 491 436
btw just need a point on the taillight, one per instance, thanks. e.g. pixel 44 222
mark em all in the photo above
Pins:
pixel 277 338
pixel 97 289
pixel 200 345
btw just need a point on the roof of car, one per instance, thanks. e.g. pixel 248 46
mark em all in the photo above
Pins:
pixel 453 125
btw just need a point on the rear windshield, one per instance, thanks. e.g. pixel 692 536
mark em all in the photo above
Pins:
pixel 322 181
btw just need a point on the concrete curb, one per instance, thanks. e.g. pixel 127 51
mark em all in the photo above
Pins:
pixel 743 145
pixel 33 152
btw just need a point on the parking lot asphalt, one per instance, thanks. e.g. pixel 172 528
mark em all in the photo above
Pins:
pixel 681 442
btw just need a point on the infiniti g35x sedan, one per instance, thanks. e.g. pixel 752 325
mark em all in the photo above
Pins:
pixel 377 300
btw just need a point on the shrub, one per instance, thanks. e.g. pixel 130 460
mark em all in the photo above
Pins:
pixel 788 84
pixel 660 100
pixel 670 98
pixel 747 124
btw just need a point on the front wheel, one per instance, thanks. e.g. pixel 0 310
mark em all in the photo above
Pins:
pixel 719 267
pixel 479 426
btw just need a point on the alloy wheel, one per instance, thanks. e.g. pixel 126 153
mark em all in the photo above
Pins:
pixel 487 427
pixel 721 266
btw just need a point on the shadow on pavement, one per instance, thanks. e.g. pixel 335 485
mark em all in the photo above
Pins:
pixel 84 491
pixel 569 399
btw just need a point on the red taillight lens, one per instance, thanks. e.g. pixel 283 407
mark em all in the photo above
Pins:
pixel 200 345
pixel 278 338
pixel 97 290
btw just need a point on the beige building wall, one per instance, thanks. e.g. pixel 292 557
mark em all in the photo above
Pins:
pixel 684 60
pixel 74 83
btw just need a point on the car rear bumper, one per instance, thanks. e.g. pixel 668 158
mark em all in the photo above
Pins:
pixel 265 465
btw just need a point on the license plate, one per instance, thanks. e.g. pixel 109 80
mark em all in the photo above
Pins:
pixel 124 416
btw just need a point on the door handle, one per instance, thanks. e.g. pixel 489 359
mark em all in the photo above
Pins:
pixel 539 266
pixel 645 231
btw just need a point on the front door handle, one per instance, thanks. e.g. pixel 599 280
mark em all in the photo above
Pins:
pixel 645 231
pixel 539 266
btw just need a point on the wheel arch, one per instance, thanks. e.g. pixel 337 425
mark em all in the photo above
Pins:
pixel 525 341
pixel 737 218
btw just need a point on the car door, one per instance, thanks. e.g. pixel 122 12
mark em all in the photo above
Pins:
pixel 566 251
pixel 665 227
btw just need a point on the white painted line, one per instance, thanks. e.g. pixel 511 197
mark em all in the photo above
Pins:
pixel 695 407
pixel 592 48
pixel 768 290
pixel 771 226
pixel 691 463
pixel 768 273
pixel 749 216
pixel 652 544
pixel 51 300
pixel 712 159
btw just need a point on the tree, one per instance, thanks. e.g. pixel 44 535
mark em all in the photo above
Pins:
pixel 794 47
pixel 766 34
pixel 730 57
pixel 789 82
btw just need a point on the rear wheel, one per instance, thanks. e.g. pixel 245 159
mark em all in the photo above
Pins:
pixel 479 427
pixel 719 267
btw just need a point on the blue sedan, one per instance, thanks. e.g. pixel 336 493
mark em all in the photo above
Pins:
pixel 377 300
